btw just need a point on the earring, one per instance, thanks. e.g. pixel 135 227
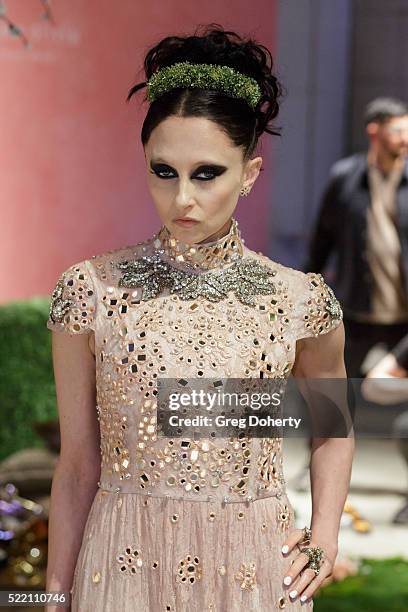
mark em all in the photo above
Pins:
pixel 245 191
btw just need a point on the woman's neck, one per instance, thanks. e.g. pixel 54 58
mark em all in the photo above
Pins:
pixel 219 233
pixel 221 248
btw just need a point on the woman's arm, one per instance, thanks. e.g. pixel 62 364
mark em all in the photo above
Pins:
pixel 331 461
pixel 78 469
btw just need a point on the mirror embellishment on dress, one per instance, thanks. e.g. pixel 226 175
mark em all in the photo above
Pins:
pixel 323 308
pixel 247 576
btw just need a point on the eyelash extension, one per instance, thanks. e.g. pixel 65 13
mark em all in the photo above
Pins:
pixel 214 173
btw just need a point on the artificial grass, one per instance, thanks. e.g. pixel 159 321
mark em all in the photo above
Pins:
pixel 380 586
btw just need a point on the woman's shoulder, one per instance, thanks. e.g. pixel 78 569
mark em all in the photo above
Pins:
pixel 104 266
pixel 291 277
pixel 312 302
pixel 79 287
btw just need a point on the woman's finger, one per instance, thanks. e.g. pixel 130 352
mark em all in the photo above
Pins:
pixel 304 580
pixel 296 567
pixel 305 593
pixel 293 538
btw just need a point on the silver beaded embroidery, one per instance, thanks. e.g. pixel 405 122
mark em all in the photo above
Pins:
pixel 246 278
pixel 332 305
pixel 323 310
pixel 73 303
pixel 59 306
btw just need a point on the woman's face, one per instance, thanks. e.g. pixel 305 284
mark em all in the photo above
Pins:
pixel 194 170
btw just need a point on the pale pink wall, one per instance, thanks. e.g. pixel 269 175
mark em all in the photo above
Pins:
pixel 72 169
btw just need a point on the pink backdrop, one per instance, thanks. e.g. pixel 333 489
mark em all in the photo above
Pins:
pixel 72 167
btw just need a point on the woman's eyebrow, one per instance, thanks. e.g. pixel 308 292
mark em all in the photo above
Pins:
pixel 159 160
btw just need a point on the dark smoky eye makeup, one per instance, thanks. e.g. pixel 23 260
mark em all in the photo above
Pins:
pixel 207 171
pixel 162 171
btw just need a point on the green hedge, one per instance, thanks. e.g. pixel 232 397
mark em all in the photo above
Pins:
pixel 27 389
pixel 381 585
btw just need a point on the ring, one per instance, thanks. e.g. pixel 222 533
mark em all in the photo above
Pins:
pixel 315 554
pixel 307 535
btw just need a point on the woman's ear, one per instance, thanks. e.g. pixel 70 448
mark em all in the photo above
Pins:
pixel 252 171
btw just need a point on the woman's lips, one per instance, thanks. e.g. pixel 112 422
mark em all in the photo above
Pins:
pixel 186 222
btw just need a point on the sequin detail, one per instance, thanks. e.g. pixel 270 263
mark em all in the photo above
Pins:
pixel 270 460
pixel 59 306
pixel 189 570
pixel 323 308
pixel 115 455
pixel 72 305
pixel 247 576
pixel 215 254
pixel 246 278
pixel 130 561
pixel 195 466
pixel 283 516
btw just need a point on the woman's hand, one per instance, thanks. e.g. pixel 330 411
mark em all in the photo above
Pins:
pixel 304 582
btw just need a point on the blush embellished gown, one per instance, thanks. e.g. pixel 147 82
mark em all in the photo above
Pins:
pixel 177 524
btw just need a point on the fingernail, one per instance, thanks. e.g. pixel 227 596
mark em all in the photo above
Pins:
pixel 303 598
pixel 287 580
pixel 285 548
pixel 293 594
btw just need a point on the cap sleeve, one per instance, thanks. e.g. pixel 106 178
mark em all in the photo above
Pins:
pixel 318 309
pixel 73 301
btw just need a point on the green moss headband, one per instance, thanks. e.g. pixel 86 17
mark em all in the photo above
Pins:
pixel 206 76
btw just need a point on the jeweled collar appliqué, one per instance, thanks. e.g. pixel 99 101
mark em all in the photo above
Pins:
pixel 246 278
pixel 210 270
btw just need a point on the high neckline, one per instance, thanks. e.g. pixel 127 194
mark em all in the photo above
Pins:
pixel 201 256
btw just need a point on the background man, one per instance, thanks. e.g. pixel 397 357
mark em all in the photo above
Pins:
pixel 363 222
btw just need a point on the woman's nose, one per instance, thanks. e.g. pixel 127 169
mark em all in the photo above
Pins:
pixel 185 193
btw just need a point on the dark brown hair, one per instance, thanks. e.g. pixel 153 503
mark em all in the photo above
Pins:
pixel 234 116
pixel 380 110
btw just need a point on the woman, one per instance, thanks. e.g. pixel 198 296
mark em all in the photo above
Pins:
pixel 184 524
